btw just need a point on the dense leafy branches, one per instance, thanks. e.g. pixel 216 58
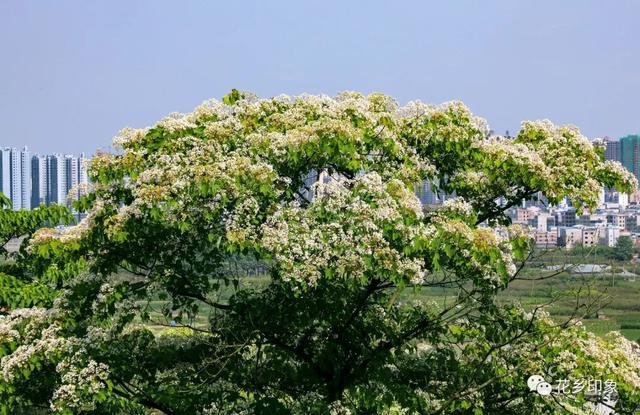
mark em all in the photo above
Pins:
pixel 320 191
pixel 19 287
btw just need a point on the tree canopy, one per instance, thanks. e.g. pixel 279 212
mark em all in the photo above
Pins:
pixel 623 250
pixel 320 192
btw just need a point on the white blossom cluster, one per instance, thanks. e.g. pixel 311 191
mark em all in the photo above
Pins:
pixel 78 383
pixel 37 336
pixel 79 190
pixel 65 234
pixel 455 109
pixel 458 207
pixel 38 339
pixel 617 170
pixel 560 148
pixel 309 243
pixel 105 291
pixel 582 353
pixel 613 356
pixel 338 408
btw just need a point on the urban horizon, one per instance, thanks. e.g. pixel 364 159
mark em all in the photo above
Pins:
pixel 30 180
pixel 48 178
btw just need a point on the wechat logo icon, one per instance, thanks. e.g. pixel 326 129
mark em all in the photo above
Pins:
pixel 538 384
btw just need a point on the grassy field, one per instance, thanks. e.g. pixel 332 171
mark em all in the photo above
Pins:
pixel 618 295
pixel 617 299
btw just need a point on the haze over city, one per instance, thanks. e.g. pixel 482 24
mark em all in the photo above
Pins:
pixel 75 72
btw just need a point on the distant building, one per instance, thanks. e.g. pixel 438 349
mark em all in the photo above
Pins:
pixel 15 193
pixel 541 222
pixel 71 175
pixel 539 201
pixel 610 235
pixel 525 215
pixel 83 176
pixel 76 174
pixel 546 239
pixel 629 153
pixel 612 149
pixel 429 193
pixel 5 171
pixel 426 194
pixel 57 179
pixel 590 236
pixel 39 181
pixel 632 223
pixel 617 219
pixel 25 178
pixel 30 181
pixel 566 217
pixel 570 237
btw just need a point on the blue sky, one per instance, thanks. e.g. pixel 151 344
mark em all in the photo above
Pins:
pixel 73 73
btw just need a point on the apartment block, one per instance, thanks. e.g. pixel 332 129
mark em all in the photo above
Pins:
pixel 33 180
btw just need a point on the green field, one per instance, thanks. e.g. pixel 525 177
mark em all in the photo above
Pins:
pixel 614 301
pixel 604 303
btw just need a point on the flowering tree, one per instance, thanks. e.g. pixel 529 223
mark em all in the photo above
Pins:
pixel 321 191
pixel 17 286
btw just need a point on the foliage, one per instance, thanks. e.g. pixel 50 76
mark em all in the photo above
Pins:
pixel 18 287
pixel 328 333
pixel 623 250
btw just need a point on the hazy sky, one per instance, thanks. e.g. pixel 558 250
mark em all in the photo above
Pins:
pixel 72 73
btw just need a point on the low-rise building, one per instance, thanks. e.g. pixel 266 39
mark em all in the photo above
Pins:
pixel 524 215
pixel 546 239
pixel 566 217
pixel 609 235
pixel 590 236
pixel 569 237
pixel 617 219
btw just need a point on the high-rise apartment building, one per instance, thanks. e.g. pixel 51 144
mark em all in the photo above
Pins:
pixel 612 149
pixel 30 181
pixel 629 153
pixel 83 176
pixel 39 181
pixel 71 174
pixel 57 179
pixel 15 193
pixel 25 178
pixel 5 171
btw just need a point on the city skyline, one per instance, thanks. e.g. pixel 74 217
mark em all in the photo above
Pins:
pixel 30 180
pixel 49 177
